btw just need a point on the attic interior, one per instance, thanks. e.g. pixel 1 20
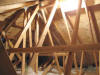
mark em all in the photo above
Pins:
pixel 49 37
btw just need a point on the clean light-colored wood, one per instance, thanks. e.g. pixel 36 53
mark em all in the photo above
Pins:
pixel 74 38
pixel 43 35
pixel 51 41
pixel 46 28
pixel 48 68
pixel 96 30
pixel 24 43
pixel 81 63
pixel 69 34
pixel 36 42
pixel 91 31
pixel 25 29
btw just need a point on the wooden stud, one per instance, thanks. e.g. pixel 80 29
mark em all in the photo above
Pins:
pixel 48 68
pixel 96 30
pixel 81 63
pixel 43 35
pixel 69 34
pixel 74 38
pixel 51 41
pixel 24 42
pixel 48 24
pixel 25 29
pixel 94 53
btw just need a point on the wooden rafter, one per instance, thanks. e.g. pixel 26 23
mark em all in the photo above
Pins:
pixel 91 31
pixel 25 29
pixel 46 28
pixel 17 6
pixel 96 30
pixel 74 38
pixel 52 43
pixel 24 42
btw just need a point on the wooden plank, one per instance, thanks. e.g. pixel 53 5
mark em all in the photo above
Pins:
pixel 48 68
pixel 12 46
pixel 17 6
pixel 24 42
pixel 36 39
pixel 30 33
pixel 81 63
pixel 6 67
pixel 52 44
pixel 67 23
pixel 96 30
pixel 49 33
pixel 58 49
pixel 95 25
pixel 42 37
pixel 91 31
pixel 25 29
pixel 74 38
pixel 33 61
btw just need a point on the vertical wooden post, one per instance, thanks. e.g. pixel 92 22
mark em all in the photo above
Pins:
pixel 36 42
pixel 30 33
pixel 74 37
pixel 24 42
pixel 96 30
pixel 67 23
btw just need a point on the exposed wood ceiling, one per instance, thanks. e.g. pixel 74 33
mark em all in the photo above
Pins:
pixel 58 26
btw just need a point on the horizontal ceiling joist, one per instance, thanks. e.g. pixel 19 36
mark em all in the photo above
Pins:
pixel 58 49
pixel 6 8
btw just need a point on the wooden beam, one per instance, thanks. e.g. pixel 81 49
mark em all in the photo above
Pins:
pixel 67 23
pixel 48 68
pixel 58 49
pixel 25 29
pixel 97 33
pixel 43 35
pixel 30 31
pixel 7 8
pixel 6 67
pixel 52 44
pixel 36 39
pixel 91 32
pixel 47 25
pixel 74 38
pixel 95 25
pixel 24 41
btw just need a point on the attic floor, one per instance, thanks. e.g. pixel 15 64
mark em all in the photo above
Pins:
pixel 89 71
